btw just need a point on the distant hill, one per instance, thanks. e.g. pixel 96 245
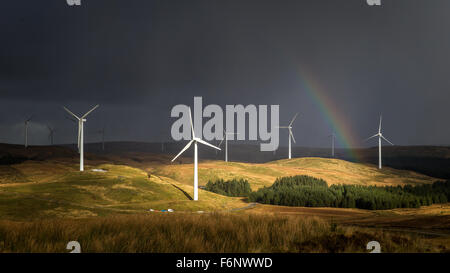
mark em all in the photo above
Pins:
pixel 13 154
pixel 430 160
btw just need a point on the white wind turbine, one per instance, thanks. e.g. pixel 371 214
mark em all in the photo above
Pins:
pixel 291 135
pixel 225 137
pixel 380 136
pixel 333 136
pixel 81 122
pixel 194 140
pixel 26 130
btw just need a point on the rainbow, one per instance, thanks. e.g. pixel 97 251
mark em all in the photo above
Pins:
pixel 330 112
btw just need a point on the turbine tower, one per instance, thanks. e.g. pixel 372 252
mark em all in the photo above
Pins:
pixel 291 135
pixel 194 140
pixel 333 136
pixel 26 130
pixel 380 136
pixel 50 135
pixel 81 121
pixel 225 137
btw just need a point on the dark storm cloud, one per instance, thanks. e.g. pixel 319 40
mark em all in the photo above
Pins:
pixel 139 58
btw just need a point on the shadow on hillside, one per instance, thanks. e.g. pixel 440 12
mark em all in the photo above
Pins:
pixel 184 192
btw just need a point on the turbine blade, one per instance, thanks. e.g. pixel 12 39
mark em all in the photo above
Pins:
pixel 221 142
pixel 371 137
pixel 68 111
pixel 30 118
pixel 283 127
pixel 387 140
pixel 292 135
pixel 292 121
pixel 207 144
pixel 192 125
pixel 184 149
pixel 379 128
pixel 95 107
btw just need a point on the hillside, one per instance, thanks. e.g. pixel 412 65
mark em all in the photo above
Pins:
pixel 46 182
pixel 33 190
pixel 334 171
pixel 430 160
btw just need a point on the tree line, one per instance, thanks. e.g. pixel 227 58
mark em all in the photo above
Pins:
pixel 306 191
pixel 234 187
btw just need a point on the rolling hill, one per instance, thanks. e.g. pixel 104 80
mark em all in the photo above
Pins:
pixel 334 171
pixel 39 190
pixel 47 183
pixel 430 160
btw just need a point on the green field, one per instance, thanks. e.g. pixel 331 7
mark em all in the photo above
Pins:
pixel 55 188
pixel 45 203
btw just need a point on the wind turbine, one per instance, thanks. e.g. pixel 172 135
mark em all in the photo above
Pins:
pixel 50 135
pixel 333 136
pixel 81 121
pixel 26 131
pixel 291 135
pixel 380 136
pixel 194 140
pixel 225 137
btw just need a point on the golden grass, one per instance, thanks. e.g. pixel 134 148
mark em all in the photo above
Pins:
pixel 49 189
pixel 334 171
pixel 185 232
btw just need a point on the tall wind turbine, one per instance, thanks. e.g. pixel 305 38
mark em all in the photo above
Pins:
pixel 194 140
pixel 50 135
pixel 291 135
pixel 81 121
pixel 26 130
pixel 225 137
pixel 380 136
pixel 333 136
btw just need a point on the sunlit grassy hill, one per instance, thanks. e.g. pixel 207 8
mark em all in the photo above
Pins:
pixel 46 181
pixel 33 190
pixel 334 171
pixel 39 185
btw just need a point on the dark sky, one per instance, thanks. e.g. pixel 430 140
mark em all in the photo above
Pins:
pixel 139 58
